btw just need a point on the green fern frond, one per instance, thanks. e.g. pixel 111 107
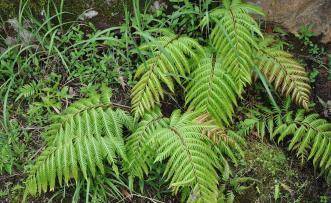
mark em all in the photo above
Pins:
pixel 141 146
pixel 286 74
pixel 213 89
pixel 190 160
pixel 79 141
pixel 28 90
pixel 234 37
pixel 180 142
pixel 170 62
pixel 307 134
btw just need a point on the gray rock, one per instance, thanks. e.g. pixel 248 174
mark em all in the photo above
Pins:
pixel 292 14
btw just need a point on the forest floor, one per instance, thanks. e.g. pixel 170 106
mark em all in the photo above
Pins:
pixel 268 166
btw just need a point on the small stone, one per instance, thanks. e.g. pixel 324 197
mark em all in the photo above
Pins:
pixel 88 15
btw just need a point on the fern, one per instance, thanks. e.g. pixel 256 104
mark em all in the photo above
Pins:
pixel 190 160
pixel 79 141
pixel 213 89
pixel 178 140
pixel 28 90
pixel 141 149
pixel 226 143
pixel 170 62
pixel 234 36
pixel 287 75
pixel 307 134
pixel 87 139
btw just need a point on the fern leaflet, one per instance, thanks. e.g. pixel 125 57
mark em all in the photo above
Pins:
pixel 213 89
pixel 287 75
pixel 170 61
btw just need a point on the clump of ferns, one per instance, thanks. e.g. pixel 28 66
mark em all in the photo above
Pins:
pixel 88 138
pixel 195 146
pixel 218 73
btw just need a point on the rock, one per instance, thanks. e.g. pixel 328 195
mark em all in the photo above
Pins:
pixel 25 35
pixel 10 41
pixel 292 14
pixel 89 14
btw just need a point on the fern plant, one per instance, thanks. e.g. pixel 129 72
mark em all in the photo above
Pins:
pixel 28 90
pixel 197 147
pixel 87 140
pixel 79 142
pixel 219 72
pixel 307 134
pixel 213 89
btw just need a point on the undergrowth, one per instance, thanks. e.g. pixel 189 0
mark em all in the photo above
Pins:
pixel 84 111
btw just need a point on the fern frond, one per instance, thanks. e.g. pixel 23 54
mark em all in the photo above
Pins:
pixel 286 74
pixel 180 142
pixel 307 134
pixel 234 37
pixel 28 90
pixel 190 160
pixel 227 143
pixel 213 89
pixel 170 62
pixel 79 141
pixel 141 146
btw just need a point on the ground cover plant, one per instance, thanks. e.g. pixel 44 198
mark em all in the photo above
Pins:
pixel 162 107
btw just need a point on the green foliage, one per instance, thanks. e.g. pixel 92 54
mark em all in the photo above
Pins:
pixel 305 34
pixel 179 140
pixel 213 89
pixel 307 134
pixel 100 188
pixel 286 74
pixel 218 77
pixel 190 160
pixel 89 134
pixel 170 61
pixel 98 151
pixel 12 147
pixel 234 37
pixel 310 136
pixel 79 141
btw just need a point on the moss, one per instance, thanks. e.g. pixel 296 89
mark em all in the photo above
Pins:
pixel 7 9
pixel 272 167
pixel 110 14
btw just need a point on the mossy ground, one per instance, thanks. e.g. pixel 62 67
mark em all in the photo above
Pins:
pixel 279 176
